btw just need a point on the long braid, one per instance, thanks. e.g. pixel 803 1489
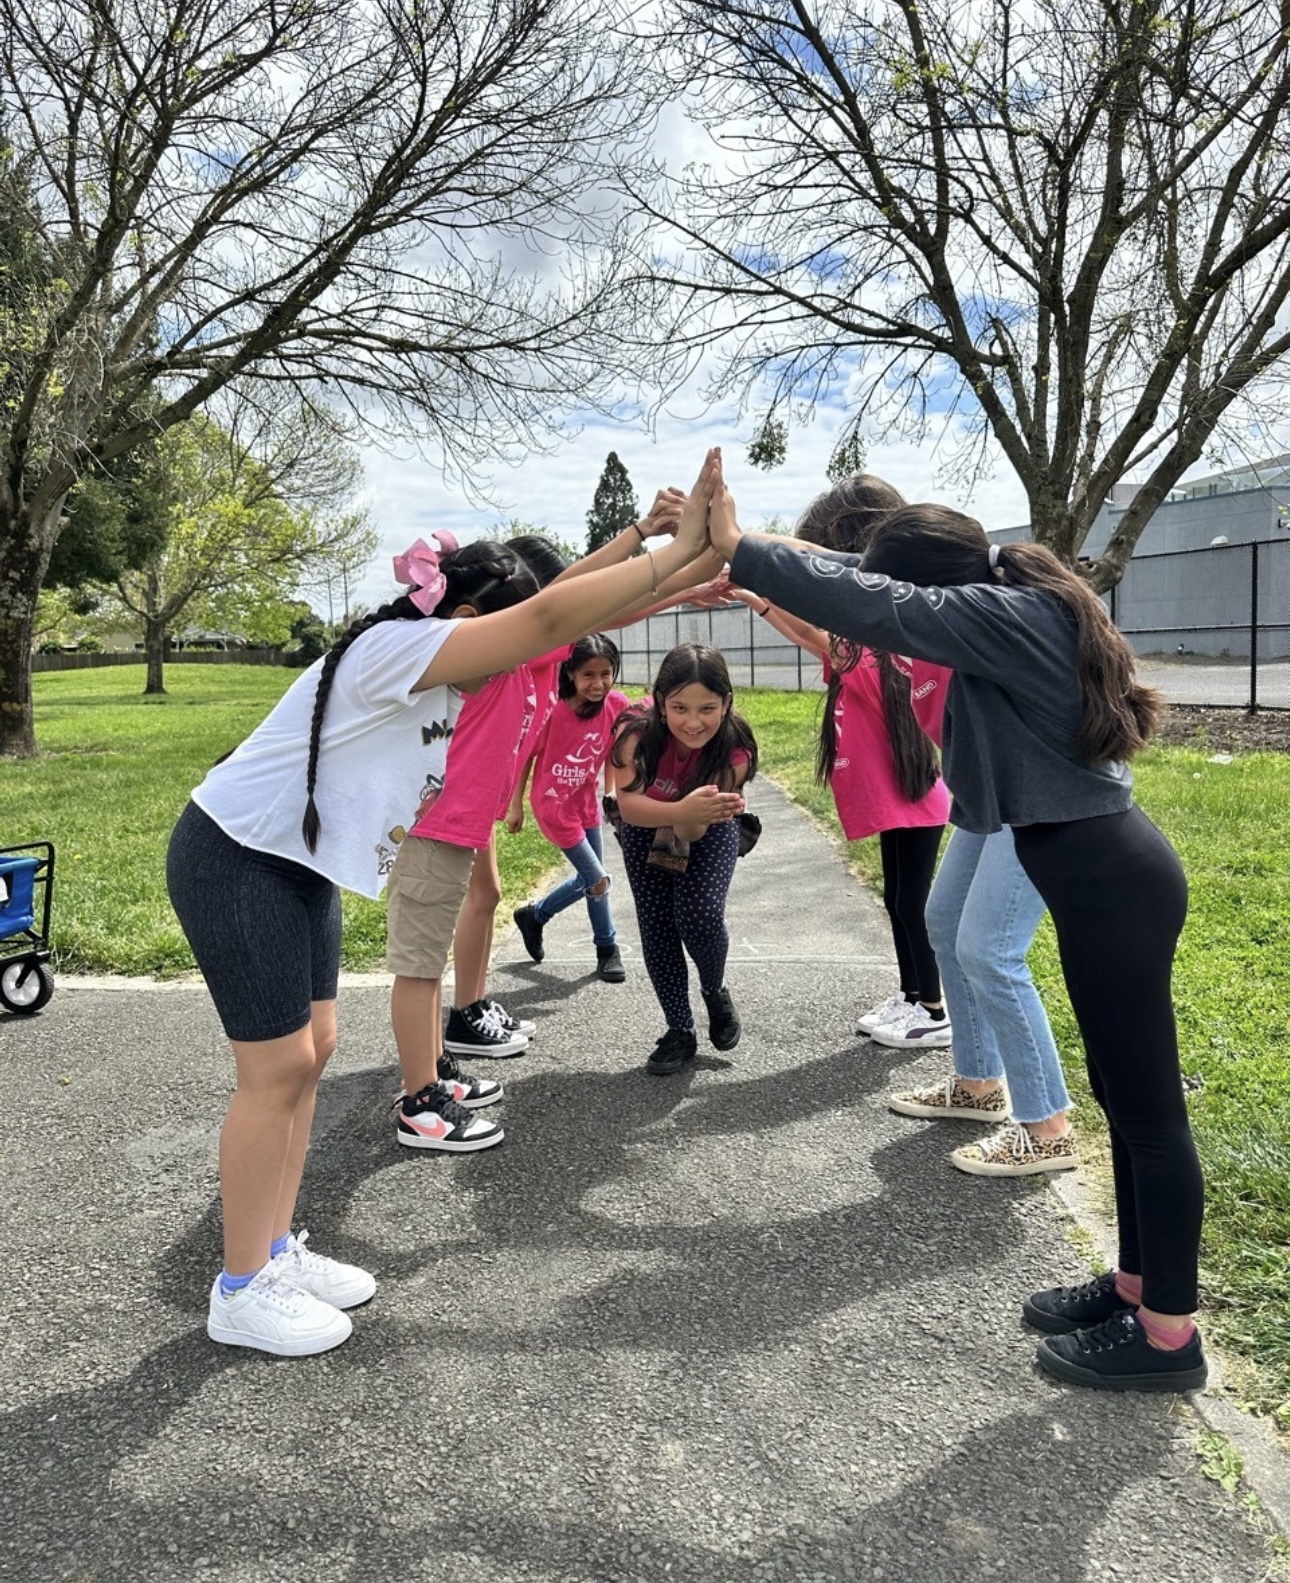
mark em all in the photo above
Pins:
pixel 485 575
pixel 401 609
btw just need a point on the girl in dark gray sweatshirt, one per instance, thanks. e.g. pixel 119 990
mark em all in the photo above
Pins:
pixel 1042 715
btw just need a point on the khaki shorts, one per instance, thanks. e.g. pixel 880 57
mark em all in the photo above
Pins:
pixel 427 887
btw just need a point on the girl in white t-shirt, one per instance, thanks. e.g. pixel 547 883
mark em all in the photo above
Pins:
pixel 315 799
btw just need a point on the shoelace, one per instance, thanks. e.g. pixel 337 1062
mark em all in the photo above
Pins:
pixel 1015 1142
pixel 302 1257
pixel 281 1293
pixel 490 1020
pixel 449 1071
pixel 1082 1294
pixel 1113 1332
pixel 440 1100
pixel 506 1022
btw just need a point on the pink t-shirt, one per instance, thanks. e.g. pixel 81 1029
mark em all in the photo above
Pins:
pixel 481 764
pixel 929 687
pixel 673 777
pixel 566 774
pixel 864 782
pixel 542 677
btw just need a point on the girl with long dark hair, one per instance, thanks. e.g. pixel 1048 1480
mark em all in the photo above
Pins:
pixel 880 766
pixel 1044 713
pixel 315 799
pixel 680 762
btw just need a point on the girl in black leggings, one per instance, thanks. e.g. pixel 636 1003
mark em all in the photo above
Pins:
pixel 1042 715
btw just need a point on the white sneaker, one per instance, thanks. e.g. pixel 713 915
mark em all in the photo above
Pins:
pixel 341 1285
pixel 916 1030
pixel 878 1016
pixel 273 1316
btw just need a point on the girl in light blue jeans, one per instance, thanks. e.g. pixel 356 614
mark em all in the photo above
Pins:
pixel 981 918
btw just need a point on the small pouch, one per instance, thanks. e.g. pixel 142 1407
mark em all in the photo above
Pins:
pixel 749 833
pixel 668 851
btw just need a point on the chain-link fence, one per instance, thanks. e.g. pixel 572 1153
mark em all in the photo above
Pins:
pixel 1211 627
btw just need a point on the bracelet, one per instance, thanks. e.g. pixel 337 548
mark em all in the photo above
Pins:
pixel 653 568
pixel 765 606
pixel 636 527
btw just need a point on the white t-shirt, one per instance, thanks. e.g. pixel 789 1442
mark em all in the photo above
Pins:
pixel 382 748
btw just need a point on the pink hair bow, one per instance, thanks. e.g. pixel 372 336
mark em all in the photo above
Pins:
pixel 418 569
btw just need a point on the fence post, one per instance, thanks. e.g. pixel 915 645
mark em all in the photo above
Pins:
pixel 1254 628
pixel 752 648
pixel 799 667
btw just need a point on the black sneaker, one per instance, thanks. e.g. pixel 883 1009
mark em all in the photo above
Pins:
pixel 530 927
pixel 510 1024
pixel 1063 1309
pixel 609 965
pixel 472 1093
pixel 673 1050
pixel 433 1119
pixel 477 1030
pixel 1116 1356
pixel 724 1026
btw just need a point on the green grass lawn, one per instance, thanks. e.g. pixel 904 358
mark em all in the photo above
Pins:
pixel 114 773
pixel 1231 826
pixel 116 768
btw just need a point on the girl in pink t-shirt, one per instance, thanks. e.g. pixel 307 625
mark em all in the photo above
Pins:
pixel 567 763
pixel 876 755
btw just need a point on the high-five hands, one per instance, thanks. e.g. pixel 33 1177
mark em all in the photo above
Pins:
pixel 692 529
pixel 663 516
pixel 723 524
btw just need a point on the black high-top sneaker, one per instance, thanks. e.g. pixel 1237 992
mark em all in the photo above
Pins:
pixel 609 965
pixel 477 1030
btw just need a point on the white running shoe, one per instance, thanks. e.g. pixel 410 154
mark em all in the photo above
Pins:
pixel 273 1316
pixel 341 1285
pixel 915 1030
pixel 878 1016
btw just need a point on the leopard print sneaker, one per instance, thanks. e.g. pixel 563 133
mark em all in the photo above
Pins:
pixel 950 1101
pixel 1015 1151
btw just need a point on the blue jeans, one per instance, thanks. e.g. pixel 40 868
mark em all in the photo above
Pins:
pixel 589 869
pixel 981 916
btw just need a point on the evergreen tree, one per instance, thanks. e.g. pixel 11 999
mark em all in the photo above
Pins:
pixel 614 507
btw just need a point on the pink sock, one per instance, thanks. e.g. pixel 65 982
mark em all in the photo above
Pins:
pixel 1129 1287
pixel 1165 1336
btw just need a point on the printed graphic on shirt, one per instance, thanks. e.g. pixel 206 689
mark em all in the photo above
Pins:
pixel 823 568
pixel 436 731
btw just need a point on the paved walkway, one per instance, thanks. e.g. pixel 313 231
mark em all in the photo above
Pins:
pixel 742 1325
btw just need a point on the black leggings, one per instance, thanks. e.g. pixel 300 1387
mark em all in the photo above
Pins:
pixel 908 865
pixel 1118 897
pixel 683 912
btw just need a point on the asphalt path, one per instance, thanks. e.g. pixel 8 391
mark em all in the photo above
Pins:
pixel 742 1324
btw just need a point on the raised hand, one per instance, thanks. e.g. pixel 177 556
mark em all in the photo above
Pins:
pixel 723 523
pixel 692 529
pixel 664 514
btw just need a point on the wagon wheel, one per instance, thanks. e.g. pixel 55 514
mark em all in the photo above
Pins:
pixel 25 986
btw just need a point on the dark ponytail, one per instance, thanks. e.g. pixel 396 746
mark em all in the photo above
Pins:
pixel 917 766
pixel 933 546
pixel 486 576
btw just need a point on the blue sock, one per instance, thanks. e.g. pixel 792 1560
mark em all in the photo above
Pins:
pixel 230 1285
pixel 279 1245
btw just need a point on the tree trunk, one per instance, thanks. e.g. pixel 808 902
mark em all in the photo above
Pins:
pixel 24 555
pixel 154 650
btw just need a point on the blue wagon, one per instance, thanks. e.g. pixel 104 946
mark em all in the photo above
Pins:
pixel 26 892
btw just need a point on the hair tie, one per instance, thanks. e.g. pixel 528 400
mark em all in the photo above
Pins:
pixel 993 556
pixel 418 570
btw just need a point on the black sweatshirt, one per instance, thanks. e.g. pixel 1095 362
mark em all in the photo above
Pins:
pixel 1013 711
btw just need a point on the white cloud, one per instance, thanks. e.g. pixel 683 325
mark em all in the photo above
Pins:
pixel 409 497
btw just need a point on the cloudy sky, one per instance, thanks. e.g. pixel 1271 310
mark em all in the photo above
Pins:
pixel 408 497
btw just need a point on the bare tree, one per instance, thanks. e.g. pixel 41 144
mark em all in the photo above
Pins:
pixel 1061 223
pixel 347 198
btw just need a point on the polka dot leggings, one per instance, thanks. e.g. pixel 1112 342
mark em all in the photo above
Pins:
pixel 683 912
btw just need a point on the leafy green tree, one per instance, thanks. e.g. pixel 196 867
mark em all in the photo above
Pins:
pixel 514 528
pixel 236 549
pixel 613 507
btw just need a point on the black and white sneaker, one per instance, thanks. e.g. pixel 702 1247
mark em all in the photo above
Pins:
pixel 477 1030
pixel 471 1093
pixel 433 1119
pixel 513 1025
